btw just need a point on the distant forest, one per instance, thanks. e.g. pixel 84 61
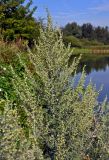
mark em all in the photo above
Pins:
pixel 87 31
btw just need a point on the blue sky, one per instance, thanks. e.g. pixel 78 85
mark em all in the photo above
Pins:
pixel 81 11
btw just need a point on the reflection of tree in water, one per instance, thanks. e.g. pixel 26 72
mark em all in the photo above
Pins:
pixel 97 64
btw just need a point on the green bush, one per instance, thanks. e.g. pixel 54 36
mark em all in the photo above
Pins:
pixel 75 42
pixel 87 43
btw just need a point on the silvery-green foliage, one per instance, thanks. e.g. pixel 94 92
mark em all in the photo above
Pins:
pixel 60 118
pixel 14 143
pixel 103 132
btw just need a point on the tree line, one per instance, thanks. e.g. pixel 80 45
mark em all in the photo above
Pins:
pixel 87 31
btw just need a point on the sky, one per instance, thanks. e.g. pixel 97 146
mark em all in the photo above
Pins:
pixel 80 11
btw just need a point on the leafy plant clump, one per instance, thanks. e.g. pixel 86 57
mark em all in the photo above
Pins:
pixel 58 120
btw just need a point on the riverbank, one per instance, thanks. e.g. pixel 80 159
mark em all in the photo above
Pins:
pixel 93 50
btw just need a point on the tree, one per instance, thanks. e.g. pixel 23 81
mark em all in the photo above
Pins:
pixel 72 29
pixel 16 20
pixel 87 31
pixel 59 117
pixel 102 34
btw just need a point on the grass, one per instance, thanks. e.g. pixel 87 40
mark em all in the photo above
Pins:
pixel 92 50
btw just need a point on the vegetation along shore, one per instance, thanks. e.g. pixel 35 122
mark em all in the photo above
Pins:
pixel 43 115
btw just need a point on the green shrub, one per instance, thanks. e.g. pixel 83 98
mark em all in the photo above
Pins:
pixel 87 43
pixel 75 42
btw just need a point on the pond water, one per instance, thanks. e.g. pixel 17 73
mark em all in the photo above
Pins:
pixel 97 69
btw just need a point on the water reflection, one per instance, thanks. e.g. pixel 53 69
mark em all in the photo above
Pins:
pixel 97 69
pixel 98 64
